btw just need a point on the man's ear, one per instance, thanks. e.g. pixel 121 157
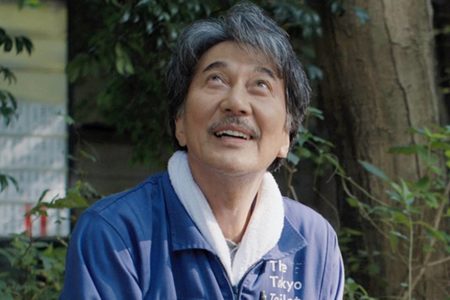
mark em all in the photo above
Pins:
pixel 284 148
pixel 179 131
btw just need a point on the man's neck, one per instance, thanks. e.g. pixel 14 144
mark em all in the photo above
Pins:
pixel 231 199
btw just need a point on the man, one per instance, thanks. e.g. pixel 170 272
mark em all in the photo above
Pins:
pixel 215 226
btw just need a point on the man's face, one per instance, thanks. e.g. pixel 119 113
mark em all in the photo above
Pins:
pixel 234 116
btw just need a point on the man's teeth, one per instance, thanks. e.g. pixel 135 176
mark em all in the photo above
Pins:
pixel 232 133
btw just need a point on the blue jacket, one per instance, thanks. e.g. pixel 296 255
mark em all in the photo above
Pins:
pixel 142 244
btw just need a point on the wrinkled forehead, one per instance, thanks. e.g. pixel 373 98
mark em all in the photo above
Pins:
pixel 262 58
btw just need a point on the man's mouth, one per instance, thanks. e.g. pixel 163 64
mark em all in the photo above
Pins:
pixel 233 134
pixel 234 127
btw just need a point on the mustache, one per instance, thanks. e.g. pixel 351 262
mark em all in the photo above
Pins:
pixel 235 121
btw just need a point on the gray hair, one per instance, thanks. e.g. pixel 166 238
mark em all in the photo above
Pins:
pixel 247 25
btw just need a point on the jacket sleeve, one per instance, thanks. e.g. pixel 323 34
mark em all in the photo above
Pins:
pixel 335 270
pixel 99 264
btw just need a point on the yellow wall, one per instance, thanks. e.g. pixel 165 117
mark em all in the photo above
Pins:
pixel 40 77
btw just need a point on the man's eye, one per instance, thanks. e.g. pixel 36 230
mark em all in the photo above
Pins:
pixel 262 84
pixel 215 78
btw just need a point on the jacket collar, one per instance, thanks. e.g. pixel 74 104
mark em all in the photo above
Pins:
pixel 186 236
pixel 291 241
pixel 184 233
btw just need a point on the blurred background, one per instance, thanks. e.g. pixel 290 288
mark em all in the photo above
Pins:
pixel 83 114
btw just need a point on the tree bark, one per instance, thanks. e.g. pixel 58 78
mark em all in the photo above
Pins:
pixel 379 83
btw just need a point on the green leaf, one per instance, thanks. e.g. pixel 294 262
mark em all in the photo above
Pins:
pixel 303 152
pixel 447 153
pixel 374 170
pixel 30 3
pixel 401 218
pixel 92 157
pixel 7 46
pixel 8 75
pixel 393 241
pixel 28 45
pixel 423 183
pixel 353 202
pixel 314 72
pixel 337 8
pixel 5 180
pixel 293 158
pixel 407 196
pixel 431 200
pixel 440 235
pixel 19 45
pixel 123 61
pixel 315 112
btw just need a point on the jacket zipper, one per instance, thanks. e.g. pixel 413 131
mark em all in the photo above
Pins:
pixel 236 290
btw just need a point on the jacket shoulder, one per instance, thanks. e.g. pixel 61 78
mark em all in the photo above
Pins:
pixel 129 214
pixel 136 196
pixel 305 219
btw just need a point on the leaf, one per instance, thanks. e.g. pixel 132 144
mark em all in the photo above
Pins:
pixel 92 157
pixel 353 202
pixel 315 112
pixel 30 3
pixel 5 180
pixel 314 72
pixel 28 45
pixel 19 45
pixel 393 241
pixel 401 218
pixel 8 75
pixel 407 196
pixel 423 183
pixel 431 200
pixel 293 158
pixel 7 46
pixel 337 8
pixel 303 152
pixel 322 141
pixel 123 61
pixel 374 170
pixel 447 153
pixel 440 235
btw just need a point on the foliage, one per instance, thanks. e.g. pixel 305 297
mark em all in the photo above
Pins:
pixel 5 180
pixel 309 146
pixel 414 238
pixel 134 59
pixel 354 291
pixel 8 103
pixel 403 220
pixel 36 267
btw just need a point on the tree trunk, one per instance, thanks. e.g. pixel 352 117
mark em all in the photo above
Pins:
pixel 379 82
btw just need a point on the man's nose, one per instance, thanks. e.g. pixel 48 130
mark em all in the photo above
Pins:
pixel 236 101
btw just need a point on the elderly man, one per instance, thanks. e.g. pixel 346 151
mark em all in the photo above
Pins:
pixel 215 226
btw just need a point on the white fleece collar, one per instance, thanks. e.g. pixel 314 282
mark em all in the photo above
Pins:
pixel 263 230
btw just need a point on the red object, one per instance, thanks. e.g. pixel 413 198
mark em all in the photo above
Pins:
pixel 28 224
pixel 43 229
